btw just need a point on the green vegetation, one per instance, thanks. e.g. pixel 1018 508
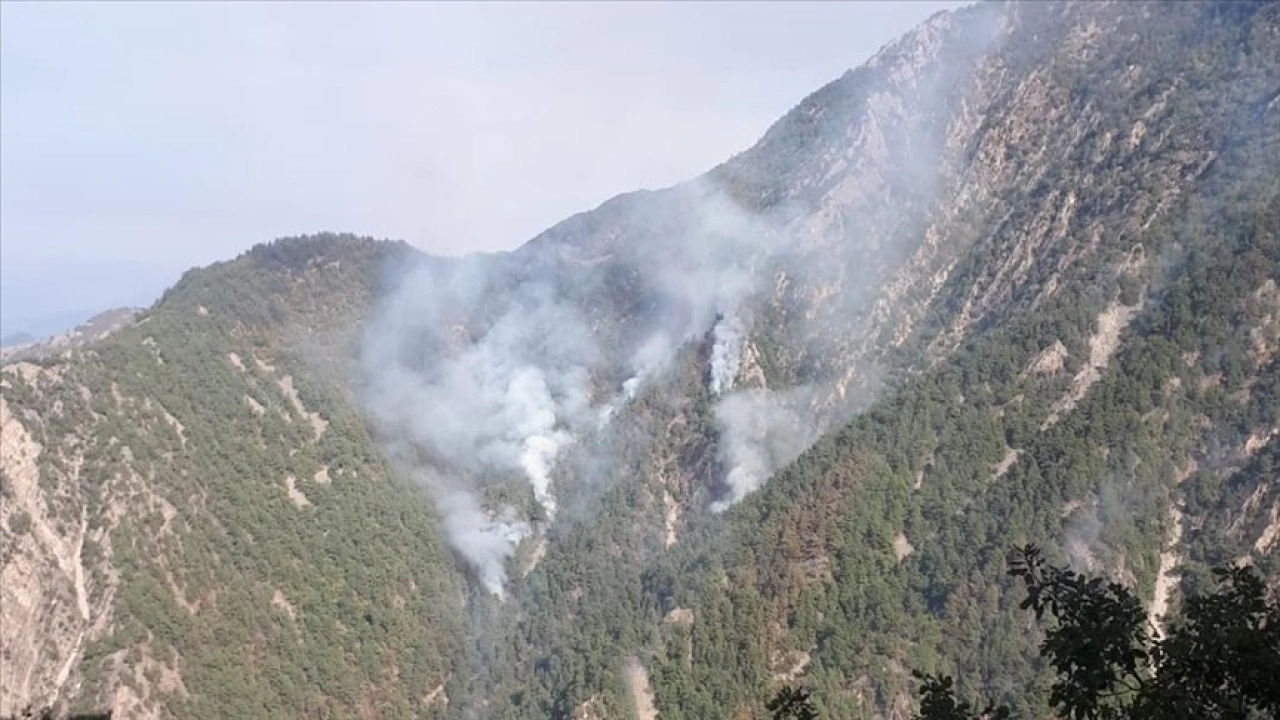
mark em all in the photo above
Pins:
pixel 269 556
pixel 791 704
pixel 881 549
pixel 1220 660
pixel 260 545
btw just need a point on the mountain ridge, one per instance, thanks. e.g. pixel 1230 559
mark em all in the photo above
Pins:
pixel 1009 284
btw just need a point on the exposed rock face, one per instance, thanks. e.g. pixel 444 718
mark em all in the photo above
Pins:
pixel 48 608
pixel 38 572
pixel 1102 345
pixel 1166 578
pixel 637 680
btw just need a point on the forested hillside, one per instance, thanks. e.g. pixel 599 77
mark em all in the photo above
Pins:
pixel 196 522
pixel 1013 280
pixel 1076 339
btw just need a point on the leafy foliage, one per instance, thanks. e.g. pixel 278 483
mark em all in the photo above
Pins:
pixel 791 704
pixel 1220 660
pixel 1098 648
pixel 938 702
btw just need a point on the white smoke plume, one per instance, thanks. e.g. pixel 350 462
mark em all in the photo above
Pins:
pixel 651 360
pixel 486 365
pixel 486 540
pixel 726 354
pixel 506 401
pixel 760 433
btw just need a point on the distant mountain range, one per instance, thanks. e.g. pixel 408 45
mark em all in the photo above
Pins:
pixel 24 346
pixel 18 338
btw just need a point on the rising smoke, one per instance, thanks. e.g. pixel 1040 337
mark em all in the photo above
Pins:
pixel 761 432
pixel 478 407
pixel 726 353
pixel 485 366
pixel 491 367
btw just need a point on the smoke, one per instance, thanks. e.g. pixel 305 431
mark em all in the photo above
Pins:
pixel 1080 538
pixel 532 417
pixel 485 540
pixel 1096 528
pixel 480 404
pixel 485 366
pixel 651 360
pixel 490 367
pixel 761 432
pixel 726 354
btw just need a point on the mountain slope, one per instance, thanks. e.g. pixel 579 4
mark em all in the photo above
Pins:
pixel 95 328
pixel 1012 280
pixel 196 522
pixel 1100 200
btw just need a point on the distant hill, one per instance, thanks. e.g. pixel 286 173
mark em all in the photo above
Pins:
pixel 95 328
pixel 188 496
pixel 18 338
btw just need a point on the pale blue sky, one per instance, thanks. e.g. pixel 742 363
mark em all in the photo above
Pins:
pixel 137 140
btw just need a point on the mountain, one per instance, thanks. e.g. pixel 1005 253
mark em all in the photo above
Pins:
pixel 196 522
pixel 17 338
pixel 26 347
pixel 1012 280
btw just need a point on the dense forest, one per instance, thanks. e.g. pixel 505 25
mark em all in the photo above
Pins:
pixel 253 559
pixel 881 549
pixel 1219 659
pixel 1028 283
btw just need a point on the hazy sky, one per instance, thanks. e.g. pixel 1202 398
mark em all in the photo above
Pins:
pixel 137 140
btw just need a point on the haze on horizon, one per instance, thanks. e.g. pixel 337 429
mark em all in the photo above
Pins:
pixel 138 140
